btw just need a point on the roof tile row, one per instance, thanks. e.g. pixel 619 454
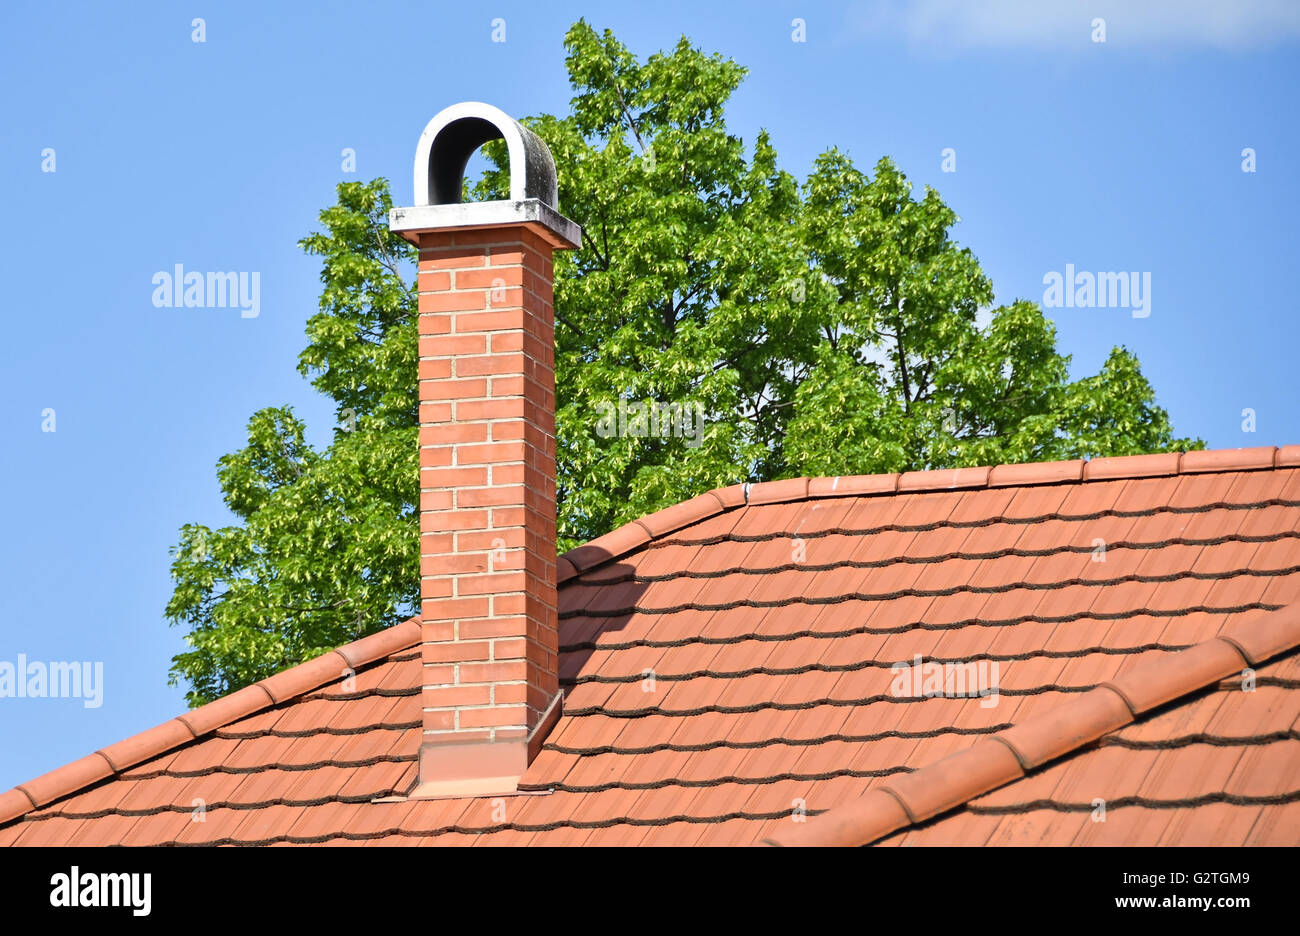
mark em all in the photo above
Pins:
pixel 639 532
pixel 200 721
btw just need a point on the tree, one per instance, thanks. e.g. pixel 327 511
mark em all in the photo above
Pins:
pixel 327 549
pixel 829 327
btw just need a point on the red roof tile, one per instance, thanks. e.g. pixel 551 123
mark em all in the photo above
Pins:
pixel 731 668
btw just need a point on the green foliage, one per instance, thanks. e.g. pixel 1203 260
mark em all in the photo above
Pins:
pixel 328 546
pixel 825 328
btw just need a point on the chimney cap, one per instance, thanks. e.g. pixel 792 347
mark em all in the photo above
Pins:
pixel 444 150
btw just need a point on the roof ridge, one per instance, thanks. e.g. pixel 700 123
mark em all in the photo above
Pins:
pixel 1002 758
pixel 284 685
pixel 631 536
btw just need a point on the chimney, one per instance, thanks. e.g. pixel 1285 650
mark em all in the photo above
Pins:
pixel 487 454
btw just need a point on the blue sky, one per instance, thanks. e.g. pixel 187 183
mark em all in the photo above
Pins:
pixel 1123 155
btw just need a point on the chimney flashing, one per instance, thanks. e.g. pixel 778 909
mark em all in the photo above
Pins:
pixel 455 770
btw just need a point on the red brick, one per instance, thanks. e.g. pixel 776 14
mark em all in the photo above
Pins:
pixel 457 520
pixel 435 412
pixel 513 671
pixel 486 628
pixel 510 693
pixel 433 588
pixel 490 364
pixel 490 497
pixel 489 236
pixel 437 457
pixel 505 560
pixel 441 674
pixel 506 386
pixel 495 321
pixel 506 256
pixel 538 285
pixel 434 369
pixel 497 715
pixel 434 323
pixel 452 301
pixel 451 696
pixel 509 430
pixel 454 477
pixel 452 609
pixel 444 720
pixel 490 583
pixel 508 604
pixel 454 564
pixel 509 473
pixel 490 539
pixel 490 453
pixel 488 409
pixel 435 500
pixel 474 651
pixel 423 346
pixel 505 297
pixel 453 345
pixel 434 281
pixel 508 649
pixel 452 433
pixel 507 517
pixel 458 737
pixel 436 543
pixel 507 341
pixel 433 390
pixel 431 631
pixel 453 258
pixel 491 278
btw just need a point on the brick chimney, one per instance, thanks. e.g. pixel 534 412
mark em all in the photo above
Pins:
pixel 487 454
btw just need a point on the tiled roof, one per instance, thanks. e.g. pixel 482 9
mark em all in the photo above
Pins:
pixel 727 664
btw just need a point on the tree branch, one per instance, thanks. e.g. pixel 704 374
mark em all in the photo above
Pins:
pixel 902 359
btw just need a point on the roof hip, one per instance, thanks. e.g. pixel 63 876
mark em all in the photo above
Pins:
pixel 1010 754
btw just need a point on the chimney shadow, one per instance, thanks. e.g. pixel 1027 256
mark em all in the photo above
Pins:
pixel 593 605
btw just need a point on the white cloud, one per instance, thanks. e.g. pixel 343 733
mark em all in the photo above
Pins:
pixel 1057 24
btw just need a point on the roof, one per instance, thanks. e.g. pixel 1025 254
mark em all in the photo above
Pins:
pixel 729 674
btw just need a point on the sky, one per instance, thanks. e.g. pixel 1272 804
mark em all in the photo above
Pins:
pixel 129 147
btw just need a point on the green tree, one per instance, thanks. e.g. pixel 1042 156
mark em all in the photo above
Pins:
pixel 828 327
pixel 327 548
